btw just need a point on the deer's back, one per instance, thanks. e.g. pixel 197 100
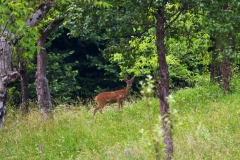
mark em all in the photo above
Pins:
pixel 111 97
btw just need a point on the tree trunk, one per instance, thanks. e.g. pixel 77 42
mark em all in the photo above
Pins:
pixel 24 86
pixel 226 65
pixel 215 71
pixel 8 75
pixel 222 70
pixel 163 88
pixel 42 87
pixel 225 68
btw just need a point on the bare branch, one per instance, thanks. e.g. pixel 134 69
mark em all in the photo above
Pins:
pixel 52 25
pixel 40 13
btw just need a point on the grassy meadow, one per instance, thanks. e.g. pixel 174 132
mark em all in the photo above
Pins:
pixel 205 126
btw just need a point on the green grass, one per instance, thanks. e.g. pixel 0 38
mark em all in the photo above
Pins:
pixel 74 133
pixel 205 126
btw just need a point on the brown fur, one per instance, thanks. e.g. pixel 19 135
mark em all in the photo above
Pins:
pixel 113 97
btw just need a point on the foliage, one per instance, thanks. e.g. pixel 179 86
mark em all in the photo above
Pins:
pixel 185 60
pixel 205 127
pixel 81 19
pixel 222 21
pixel 62 77
pixel 136 53
pixel 95 73
pixel 13 17
pixel 113 20
pixel 124 32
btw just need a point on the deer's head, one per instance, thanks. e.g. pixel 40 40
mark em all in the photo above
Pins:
pixel 129 82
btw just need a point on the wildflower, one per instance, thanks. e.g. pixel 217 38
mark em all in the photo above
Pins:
pixel 127 151
pixel 41 148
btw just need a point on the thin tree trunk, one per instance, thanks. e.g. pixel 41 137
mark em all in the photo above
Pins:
pixel 163 88
pixel 226 67
pixel 215 71
pixel 24 86
pixel 42 87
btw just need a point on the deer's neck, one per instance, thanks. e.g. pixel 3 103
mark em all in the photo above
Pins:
pixel 127 90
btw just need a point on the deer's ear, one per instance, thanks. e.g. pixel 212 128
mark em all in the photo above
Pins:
pixel 125 79
pixel 132 79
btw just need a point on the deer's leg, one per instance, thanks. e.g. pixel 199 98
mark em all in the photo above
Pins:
pixel 119 104
pixel 96 109
pixel 99 108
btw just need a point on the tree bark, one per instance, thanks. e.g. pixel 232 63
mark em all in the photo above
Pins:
pixel 24 86
pixel 225 68
pixel 42 87
pixel 8 75
pixel 163 88
pixel 215 71
pixel 226 65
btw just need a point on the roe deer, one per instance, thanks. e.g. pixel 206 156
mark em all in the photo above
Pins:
pixel 113 97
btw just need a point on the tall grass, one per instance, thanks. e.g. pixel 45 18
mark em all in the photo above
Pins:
pixel 205 126
pixel 206 123
pixel 74 133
